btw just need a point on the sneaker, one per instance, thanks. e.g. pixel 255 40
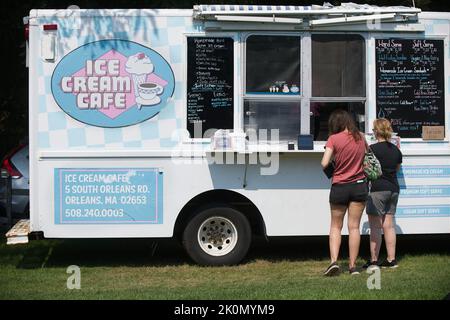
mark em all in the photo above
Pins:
pixel 371 265
pixel 389 264
pixel 332 270
pixel 353 271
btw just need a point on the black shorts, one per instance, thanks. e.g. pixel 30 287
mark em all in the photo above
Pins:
pixel 349 192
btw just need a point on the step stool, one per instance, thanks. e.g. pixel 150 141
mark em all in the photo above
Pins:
pixel 18 233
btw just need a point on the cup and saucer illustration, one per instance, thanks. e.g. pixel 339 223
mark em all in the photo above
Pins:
pixel 149 93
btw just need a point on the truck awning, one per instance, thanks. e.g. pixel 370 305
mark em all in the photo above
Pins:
pixel 313 15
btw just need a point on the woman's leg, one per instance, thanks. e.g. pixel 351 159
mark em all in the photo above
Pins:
pixel 389 235
pixel 375 223
pixel 355 210
pixel 337 219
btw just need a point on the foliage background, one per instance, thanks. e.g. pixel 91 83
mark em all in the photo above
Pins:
pixel 14 91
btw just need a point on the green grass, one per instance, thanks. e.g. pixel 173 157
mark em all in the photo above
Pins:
pixel 282 269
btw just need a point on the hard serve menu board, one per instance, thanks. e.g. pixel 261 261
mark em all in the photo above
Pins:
pixel 210 81
pixel 410 84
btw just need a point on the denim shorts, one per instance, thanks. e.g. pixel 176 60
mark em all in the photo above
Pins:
pixel 349 192
pixel 382 202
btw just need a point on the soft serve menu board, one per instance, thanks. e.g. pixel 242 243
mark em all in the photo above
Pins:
pixel 410 84
pixel 209 84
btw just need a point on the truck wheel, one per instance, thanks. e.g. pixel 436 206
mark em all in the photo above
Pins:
pixel 217 236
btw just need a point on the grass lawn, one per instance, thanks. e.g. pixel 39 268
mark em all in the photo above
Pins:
pixel 282 269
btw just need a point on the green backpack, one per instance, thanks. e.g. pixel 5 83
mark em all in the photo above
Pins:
pixel 371 165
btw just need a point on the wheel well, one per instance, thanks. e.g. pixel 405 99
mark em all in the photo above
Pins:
pixel 224 197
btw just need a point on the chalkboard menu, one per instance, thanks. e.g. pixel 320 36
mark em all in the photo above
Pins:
pixel 410 84
pixel 209 83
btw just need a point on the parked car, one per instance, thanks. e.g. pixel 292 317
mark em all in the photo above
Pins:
pixel 16 164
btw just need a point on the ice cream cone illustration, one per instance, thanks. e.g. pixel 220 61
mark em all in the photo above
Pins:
pixel 139 66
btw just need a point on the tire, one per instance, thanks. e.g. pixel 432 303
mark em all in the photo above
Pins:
pixel 217 235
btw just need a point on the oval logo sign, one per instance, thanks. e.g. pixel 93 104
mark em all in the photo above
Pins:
pixel 112 83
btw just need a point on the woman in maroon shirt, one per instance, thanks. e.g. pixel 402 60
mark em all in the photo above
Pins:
pixel 346 145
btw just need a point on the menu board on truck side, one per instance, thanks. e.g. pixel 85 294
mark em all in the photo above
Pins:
pixel 410 84
pixel 210 77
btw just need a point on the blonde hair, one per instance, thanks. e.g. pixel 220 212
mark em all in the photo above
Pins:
pixel 382 128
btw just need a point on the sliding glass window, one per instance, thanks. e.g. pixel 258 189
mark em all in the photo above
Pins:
pixel 338 79
pixel 272 84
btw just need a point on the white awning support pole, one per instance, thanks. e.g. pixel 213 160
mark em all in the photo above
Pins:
pixel 352 19
pixel 272 19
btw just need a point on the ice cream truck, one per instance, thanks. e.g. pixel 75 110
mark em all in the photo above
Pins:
pixel 208 125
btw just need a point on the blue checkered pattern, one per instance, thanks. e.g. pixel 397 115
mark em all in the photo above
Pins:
pixel 57 130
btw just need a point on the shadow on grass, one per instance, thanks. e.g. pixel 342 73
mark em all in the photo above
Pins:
pixel 168 252
pixel 102 253
pixel 316 247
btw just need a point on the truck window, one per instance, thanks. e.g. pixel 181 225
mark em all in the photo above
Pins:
pixel 272 84
pixel 273 114
pixel 320 112
pixel 338 79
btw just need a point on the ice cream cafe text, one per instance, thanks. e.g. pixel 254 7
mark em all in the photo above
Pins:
pixel 100 87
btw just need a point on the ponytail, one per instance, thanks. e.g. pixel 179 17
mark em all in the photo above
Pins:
pixel 382 128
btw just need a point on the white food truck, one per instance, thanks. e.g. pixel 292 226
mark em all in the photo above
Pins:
pixel 209 124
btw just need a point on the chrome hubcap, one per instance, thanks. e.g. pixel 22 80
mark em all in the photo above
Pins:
pixel 217 236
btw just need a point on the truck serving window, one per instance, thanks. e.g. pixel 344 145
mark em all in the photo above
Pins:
pixel 338 79
pixel 272 84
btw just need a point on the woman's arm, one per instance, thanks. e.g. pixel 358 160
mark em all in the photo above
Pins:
pixel 326 159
